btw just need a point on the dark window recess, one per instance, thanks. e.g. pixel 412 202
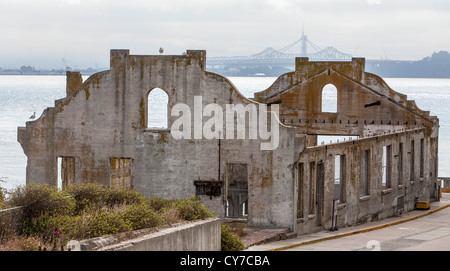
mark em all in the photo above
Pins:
pixel 210 188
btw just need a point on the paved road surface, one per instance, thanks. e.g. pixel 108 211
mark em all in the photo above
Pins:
pixel 429 232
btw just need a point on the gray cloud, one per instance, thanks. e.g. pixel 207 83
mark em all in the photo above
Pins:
pixel 83 31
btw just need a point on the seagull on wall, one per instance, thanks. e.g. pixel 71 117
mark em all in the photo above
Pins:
pixel 33 116
pixel 161 50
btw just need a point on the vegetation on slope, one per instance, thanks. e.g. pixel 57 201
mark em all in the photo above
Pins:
pixel 52 217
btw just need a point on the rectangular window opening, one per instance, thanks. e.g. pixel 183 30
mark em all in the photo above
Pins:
pixel 300 176
pixel 364 176
pixel 386 167
pixel 339 177
pixel 312 177
pixel 422 158
pixel 65 172
pixel 412 161
pixel 59 173
pixel 400 164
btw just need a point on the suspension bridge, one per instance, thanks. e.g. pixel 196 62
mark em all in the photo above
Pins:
pixel 272 61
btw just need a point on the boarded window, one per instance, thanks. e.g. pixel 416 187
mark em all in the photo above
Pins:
pixel 157 109
pixel 329 99
pixel 120 173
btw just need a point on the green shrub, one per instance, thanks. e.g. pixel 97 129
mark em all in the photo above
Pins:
pixel 92 224
pixel 94 196
pixel 158 204
pixel 38 199
pixel 77 227
pixel 105 223
pixel 89 210
pixel 230 241
pixel 117 197
pixel 191 208
pixel 88 196
pixel 140 216
pixel 46 227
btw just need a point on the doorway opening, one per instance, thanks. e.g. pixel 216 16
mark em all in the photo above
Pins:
pixel 237 191
pixel 65 172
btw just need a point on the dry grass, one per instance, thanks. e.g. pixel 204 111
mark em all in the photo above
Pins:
pixel 21 243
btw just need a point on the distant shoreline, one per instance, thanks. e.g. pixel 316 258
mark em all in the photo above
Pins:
pixel 382 68
pixel 435 66
pixel 89 71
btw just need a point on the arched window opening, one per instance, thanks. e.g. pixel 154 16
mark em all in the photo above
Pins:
pixel 329 99
pixel 157 113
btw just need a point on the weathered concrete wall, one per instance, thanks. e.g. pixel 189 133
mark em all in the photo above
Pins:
pixel 406 182
pixel 105 119
pixel 100 130
pixel 368 108
pixel 203 235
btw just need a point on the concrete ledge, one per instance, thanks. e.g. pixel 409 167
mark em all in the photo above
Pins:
pixel 200 235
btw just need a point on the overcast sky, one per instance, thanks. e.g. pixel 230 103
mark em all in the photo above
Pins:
pixel 80 33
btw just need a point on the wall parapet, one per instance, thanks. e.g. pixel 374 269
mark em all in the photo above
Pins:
pixel 200 235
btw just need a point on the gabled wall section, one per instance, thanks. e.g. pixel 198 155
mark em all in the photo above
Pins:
pixel 382 119
pixel 364 101
pixel 101 126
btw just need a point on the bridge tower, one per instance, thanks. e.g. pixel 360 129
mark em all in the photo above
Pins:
pixel 304 47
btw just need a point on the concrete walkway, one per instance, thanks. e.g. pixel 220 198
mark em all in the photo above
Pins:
pixel 256 236
pixel 325 235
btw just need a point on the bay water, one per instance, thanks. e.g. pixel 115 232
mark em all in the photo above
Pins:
pixel 21 96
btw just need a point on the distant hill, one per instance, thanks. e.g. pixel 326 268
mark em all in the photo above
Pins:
pixel 435 66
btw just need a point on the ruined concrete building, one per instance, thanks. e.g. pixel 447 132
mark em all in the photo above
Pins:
pixel 99 133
